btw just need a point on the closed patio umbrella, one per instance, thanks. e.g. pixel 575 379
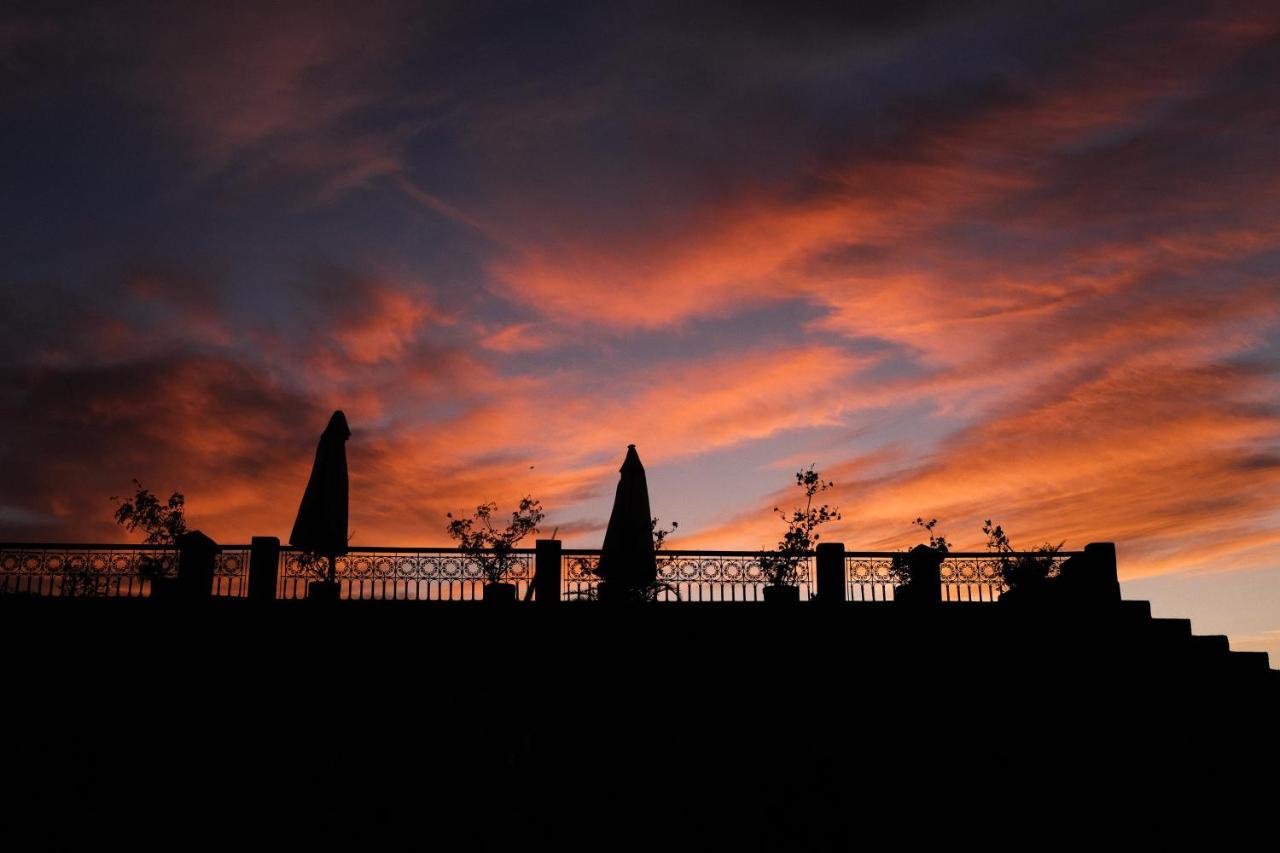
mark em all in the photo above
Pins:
pixel 321 525
pixel 627 560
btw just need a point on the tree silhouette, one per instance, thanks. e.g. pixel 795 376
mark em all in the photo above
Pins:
pixel 491 548
pixel 781 567
pixel 161 523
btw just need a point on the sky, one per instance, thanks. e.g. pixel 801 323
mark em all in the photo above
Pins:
pixel 970 260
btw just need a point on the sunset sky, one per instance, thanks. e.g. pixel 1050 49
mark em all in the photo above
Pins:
pixel 969 260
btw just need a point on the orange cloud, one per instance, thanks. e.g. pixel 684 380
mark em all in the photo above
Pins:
pixel 1164 460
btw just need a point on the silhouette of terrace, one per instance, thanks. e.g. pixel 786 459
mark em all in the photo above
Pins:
pixel 966 589
pixel 710 719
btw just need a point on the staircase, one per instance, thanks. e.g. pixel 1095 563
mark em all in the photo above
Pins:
pixel 1172 648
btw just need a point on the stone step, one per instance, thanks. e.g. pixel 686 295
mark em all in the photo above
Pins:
pixel 1140 610
pixel 1249 661
pixel 1171 629
pixel 1210 644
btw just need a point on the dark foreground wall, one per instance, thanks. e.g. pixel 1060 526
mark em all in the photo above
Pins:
pixel 460 726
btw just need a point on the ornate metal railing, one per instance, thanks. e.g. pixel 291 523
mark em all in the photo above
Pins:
pixel 868 577
pixel 409 574
pixel 111 571
pixel 448 574
pixel 965 576
pixel 231 571
pixel 687 575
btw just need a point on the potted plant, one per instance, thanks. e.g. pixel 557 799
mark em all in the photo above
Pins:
pixel 161 524
pixel 916 574
pixel 322 584
pixel 81 582
pixel 493 549
pixel 1027 576
pixel 781 567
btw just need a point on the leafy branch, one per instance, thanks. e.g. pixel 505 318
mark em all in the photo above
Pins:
pixel 660 534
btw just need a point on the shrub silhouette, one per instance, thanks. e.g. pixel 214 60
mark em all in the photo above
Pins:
pixel 1022 573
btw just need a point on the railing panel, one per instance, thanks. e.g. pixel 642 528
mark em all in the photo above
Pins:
pixel 108 571
pixel 578 581
pixel 698 576
pixel 968 577
pixel 408 574
pixel 231 572
pixel 869 578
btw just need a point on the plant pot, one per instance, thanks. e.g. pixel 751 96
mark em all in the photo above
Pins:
pixel 1032 595
pixel 785 594
pixel 918 594
pixel 164 588
pixel 323 591
pixel 500 593
pixel 607 593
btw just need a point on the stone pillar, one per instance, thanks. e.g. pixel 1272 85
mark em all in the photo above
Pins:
pixel 547 571
pixel 264 564
pixel 831 580
pixel 197 554
pixel 1102 582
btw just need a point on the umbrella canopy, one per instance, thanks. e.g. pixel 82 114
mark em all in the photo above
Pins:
pixel 627 559
pixel 321 525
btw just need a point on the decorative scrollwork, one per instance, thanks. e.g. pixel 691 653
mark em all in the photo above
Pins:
pixel 686 575
pixel 870 569
pixel 104 570
pixel 449 573
pixel 581 569
pixel 231 564
pixel 679 568
pixel 425 566
pixel 963 578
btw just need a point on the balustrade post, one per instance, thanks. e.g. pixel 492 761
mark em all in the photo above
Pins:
pixel 197 555
pixel 1090 578
pixel 1100 582
pixel 924 567
pixel 831 580
pixel 547 571
pixel 264 564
